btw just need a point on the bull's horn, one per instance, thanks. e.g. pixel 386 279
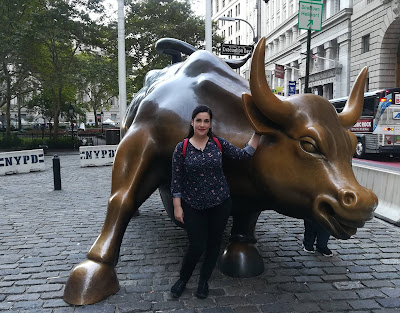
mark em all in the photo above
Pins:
pixel 270 105
pixel 353 108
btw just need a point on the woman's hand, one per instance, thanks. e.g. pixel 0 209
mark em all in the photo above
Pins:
pixel 254 140
pixel 178 213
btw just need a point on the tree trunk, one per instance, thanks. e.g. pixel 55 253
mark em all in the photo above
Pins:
pixel 96 122
pixel 8 99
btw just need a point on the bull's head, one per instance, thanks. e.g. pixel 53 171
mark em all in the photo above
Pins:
pixel 305 155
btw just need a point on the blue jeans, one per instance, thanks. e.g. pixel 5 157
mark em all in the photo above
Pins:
pixel 313 230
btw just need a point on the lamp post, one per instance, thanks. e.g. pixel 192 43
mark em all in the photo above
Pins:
pixel 71 114
pixel 2 122
pixel 232 19
pixel 102 114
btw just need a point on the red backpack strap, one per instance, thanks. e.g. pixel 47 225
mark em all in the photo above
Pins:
pixel 184 146
pixel 218 143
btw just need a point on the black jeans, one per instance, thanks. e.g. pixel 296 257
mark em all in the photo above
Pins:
pixel 313 230
pixel 205 229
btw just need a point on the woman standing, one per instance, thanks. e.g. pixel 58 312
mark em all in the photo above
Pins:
pixel 201 195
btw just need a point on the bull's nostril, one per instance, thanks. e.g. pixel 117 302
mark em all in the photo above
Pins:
pixel 348 197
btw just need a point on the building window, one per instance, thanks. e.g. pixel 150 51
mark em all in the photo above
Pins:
pixel 365 43
pixel 216 5
pixel 223 3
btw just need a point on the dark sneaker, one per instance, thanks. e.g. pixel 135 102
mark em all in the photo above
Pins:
pixel 178 288
pixel 325 251
pixel 308 249
pixel 202 289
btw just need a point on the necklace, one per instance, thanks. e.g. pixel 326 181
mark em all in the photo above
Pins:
pixel 199 145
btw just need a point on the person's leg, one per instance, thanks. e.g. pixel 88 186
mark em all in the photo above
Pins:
pixel 310 233
pixel 196 225
pixel 217 219
pixel 322 240
pixel 196 228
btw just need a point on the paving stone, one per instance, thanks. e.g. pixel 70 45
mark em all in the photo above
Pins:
pixel 335 305
pixel 218 310
pixel 277 308
pixel 364 304
pixel 41 243
pixel 96 308
pixel 246 309
pixel 24 297
pixel 370 293
pixel 28 304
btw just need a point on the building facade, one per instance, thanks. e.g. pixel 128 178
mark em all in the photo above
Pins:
pixel 353 35
pixel 375 42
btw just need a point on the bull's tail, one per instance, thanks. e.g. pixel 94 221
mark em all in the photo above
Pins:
pixel 175 47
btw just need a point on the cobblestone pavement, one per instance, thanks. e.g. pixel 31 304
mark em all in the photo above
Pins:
pixel 44 233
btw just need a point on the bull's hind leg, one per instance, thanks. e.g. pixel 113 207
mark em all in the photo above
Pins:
pixel 241 257
pixel 134 179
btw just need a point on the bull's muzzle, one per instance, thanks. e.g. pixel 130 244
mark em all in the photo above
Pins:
pixel 342 215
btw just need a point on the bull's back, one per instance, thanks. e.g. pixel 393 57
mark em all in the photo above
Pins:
pixel 203 79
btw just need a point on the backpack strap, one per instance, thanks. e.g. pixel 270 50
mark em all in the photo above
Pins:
pixel 218 143
pixel 185 142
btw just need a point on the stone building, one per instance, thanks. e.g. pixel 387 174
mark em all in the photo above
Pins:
pixel 352 36
pixel 375 42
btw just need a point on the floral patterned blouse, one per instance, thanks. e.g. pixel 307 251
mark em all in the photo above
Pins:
pixel 198 178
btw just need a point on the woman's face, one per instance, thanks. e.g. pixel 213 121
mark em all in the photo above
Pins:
pixel 201 124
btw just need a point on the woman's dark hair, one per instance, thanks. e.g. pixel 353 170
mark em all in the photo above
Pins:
pixel 197 110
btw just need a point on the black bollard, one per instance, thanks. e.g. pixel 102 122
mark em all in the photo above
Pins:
pixel 56 172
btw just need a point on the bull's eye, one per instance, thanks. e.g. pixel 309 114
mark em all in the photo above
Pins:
pixel 309 145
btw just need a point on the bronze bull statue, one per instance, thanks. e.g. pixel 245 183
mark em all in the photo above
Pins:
pixel 302 167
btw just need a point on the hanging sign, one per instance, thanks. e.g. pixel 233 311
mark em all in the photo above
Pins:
pixel 279 71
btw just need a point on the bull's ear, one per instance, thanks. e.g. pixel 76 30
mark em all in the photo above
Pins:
pixel 253 114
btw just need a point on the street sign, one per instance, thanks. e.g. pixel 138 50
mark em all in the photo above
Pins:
pixel 239 50
pixel 310 15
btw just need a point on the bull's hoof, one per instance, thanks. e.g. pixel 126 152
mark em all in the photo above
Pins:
pixel 90 282
pixel 241 260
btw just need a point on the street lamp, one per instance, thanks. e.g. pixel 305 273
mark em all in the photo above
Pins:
pixel 232 19
pixel 2 122
pixel 71 114
pixel 102 114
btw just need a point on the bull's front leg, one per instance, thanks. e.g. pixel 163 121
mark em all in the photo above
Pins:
pixel 133 181
pixel 241 257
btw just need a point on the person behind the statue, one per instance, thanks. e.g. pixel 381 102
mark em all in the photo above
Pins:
pixel 201 195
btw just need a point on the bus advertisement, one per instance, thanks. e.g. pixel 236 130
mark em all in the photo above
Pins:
pixel 378 129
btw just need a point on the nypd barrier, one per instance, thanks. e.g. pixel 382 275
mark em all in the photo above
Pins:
pixel 97 155
pixel 21 161
pixel 385 184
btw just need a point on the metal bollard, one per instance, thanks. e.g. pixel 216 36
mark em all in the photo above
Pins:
pixel 56 172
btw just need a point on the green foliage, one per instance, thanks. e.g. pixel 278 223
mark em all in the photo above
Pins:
pixel 14 142
pixel 150 20
pixel 98 79
pixel 10 142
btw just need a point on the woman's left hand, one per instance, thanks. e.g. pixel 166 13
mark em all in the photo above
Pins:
pixel 254 140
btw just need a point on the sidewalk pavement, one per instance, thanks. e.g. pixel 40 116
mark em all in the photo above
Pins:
pixel 44 233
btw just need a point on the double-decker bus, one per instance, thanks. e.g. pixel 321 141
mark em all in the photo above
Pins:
pixel 378 129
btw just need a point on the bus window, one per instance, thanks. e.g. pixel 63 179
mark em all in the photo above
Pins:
pixel 339 105
pixel 369 106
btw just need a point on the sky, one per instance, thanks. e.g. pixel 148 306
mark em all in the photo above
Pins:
pixel 198 6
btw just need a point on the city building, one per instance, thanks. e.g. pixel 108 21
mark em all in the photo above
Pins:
pixel 365 33
pixel 375 42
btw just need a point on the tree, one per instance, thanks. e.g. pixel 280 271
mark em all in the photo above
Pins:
pixel 15 78
pixel 61 30
pixel 99 81
pixel 150 20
